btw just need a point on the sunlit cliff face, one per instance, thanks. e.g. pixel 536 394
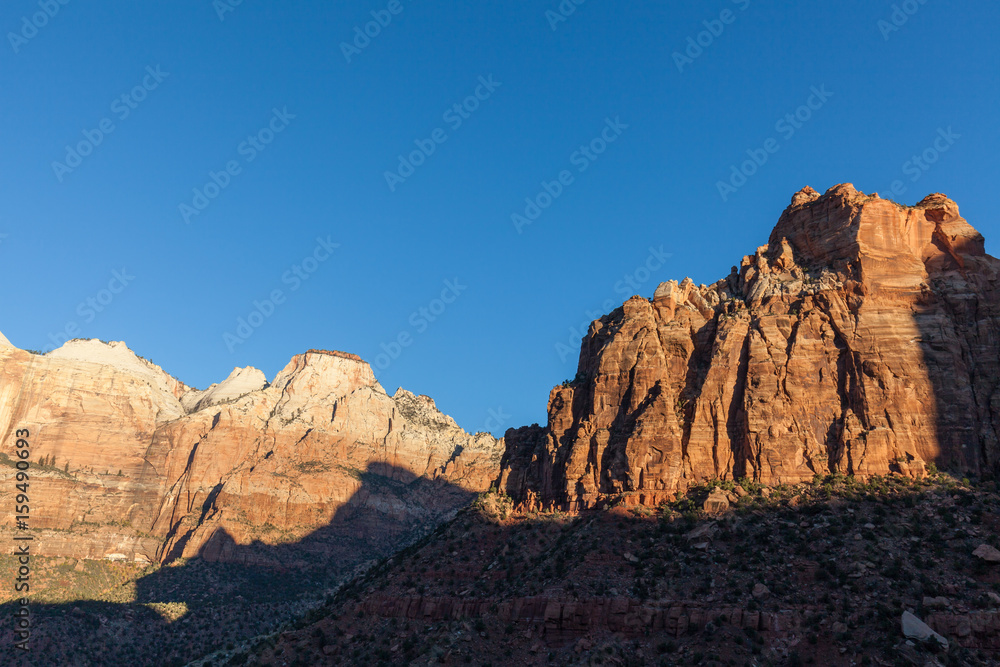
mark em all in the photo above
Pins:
pixel 863 339
pixel 141 467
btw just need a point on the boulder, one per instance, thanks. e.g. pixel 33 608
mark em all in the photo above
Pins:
pixel 717 502
pixel 987 553
pixel 706 531
pixel 914 628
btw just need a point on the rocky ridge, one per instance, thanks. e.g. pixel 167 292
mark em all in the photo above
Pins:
pixel 863 339
pixel 135 465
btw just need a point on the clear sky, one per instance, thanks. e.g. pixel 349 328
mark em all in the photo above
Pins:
pixel 214 153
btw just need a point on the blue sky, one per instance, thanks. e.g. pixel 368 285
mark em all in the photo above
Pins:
pixel 610 119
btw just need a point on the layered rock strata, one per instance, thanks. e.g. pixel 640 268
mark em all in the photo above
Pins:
pixel 864 338
pixel 130 463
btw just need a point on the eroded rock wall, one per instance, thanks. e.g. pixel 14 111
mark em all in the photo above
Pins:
pixel 141 467
pixel 863 338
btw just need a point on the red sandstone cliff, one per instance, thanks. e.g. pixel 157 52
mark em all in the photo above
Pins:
pixel 864 338
pixel 139 466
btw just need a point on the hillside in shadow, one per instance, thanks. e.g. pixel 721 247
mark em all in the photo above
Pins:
pixel 810 574
pixel 189 608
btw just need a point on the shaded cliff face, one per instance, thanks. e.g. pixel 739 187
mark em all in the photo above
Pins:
pixel 138 466
pixel 863 339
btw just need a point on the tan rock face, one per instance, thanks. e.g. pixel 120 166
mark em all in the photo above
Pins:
pixel 139 464
pixel 863 339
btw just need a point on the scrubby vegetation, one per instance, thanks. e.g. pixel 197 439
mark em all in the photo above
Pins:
pixel 816 573
pixel 808 574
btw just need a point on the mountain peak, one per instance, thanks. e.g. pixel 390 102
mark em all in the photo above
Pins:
pixel 862 339
pixel 240 382
pixel 874 240
pixel 339 371
pixel 804 196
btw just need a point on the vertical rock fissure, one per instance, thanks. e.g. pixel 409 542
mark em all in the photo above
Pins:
pixel 699 363
pixel 737 426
